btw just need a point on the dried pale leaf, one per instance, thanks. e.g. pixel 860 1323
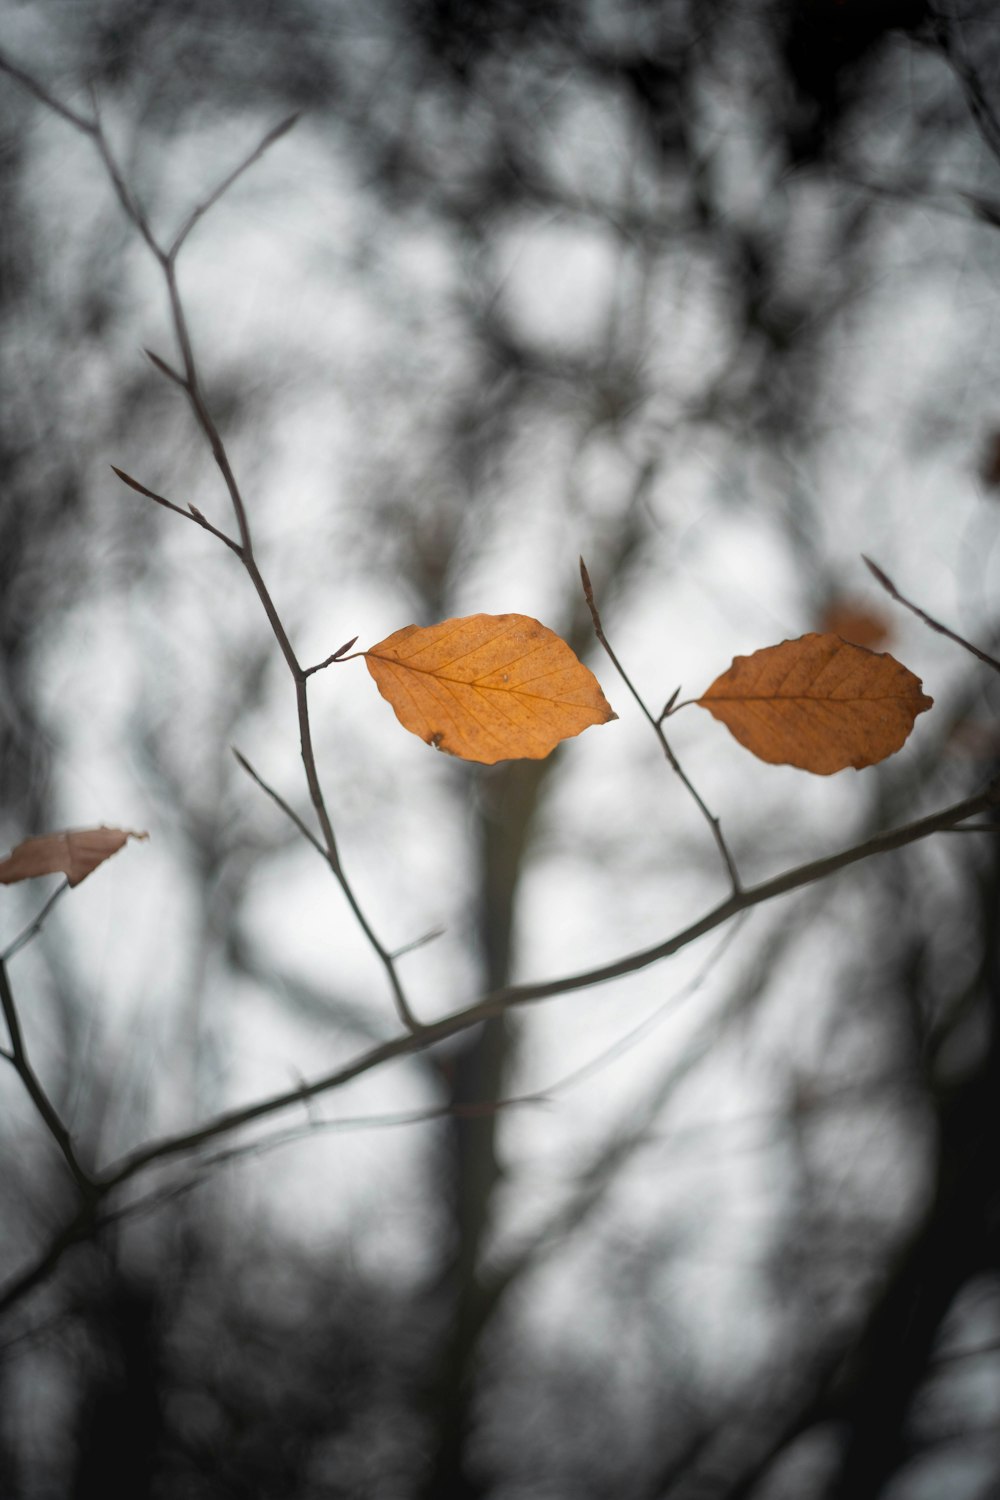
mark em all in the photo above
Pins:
pixel 74 853
pixel 818 703
pixel 487 687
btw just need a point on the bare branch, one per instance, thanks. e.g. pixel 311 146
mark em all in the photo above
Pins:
pixel 891 589
pixel 515 995
pixel 165 369
pixel 44 97
pixel 191 514
pixel 339 655
pixel 201 209
pixel 420 942
pixel 46 1110
pixel 276 797
pixel 657 727
pixel 34 926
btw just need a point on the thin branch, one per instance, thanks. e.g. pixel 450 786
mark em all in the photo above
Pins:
pixel 131 205
pixel 403 1008
pixel 891 589
pixel 44 97
pixel 277 798
pixel 191 383
pixel 165 369
pixel 191 514
pixel 491 1005
pixel 657 727
pixel 19 1286
pixel 419 942
pixel 330 857
pixel 508 998
pixel 34 926
pixel 46 1110
pixel 201 209
pixel 339 655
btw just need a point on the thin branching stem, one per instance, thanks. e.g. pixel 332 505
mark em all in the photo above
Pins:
pixel 21 1063
pixel 277 798
pixel 191 514
pixel 387 959
pixel 190 382
pixel 34 927
pixel 512 996
pixel 886 582
pixel 490 1005
pixel 657 728
pixel 201 209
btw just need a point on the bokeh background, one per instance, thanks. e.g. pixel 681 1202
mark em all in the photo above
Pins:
pixel 707 293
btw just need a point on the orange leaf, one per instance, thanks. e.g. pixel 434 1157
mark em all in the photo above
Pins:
pixel 818 703
pixel 75 853
pixel 487 687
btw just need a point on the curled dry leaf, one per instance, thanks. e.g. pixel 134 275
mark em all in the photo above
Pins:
pixel 74 853
pixel 487 687
pixel 818 703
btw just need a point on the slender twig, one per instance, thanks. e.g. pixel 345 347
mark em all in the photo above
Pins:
pixel 190 514
pixel 35 925
pixel 891 589
pixel 165 369
pixel 189 380
pixel 419 942
pixel 277 798
pixel 339 655
pixel 22 1066
pixel 44 97
pixel 500 1001
pixel 329 854
pixel 201 209
pixel 78 1229
pixel 657 727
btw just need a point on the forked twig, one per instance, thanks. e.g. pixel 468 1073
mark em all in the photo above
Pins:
pixel 35 925
pixel 657 728
pixel 189 380
pixel 513 996
pixel 191 514
pixel 279 801
pixel 201 209
pixel 490 1005
pixel 386 958
pixel 21 1063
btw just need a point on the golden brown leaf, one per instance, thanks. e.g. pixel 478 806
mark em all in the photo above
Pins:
pixel 487 687
pixel 74 853
pixel 818 703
